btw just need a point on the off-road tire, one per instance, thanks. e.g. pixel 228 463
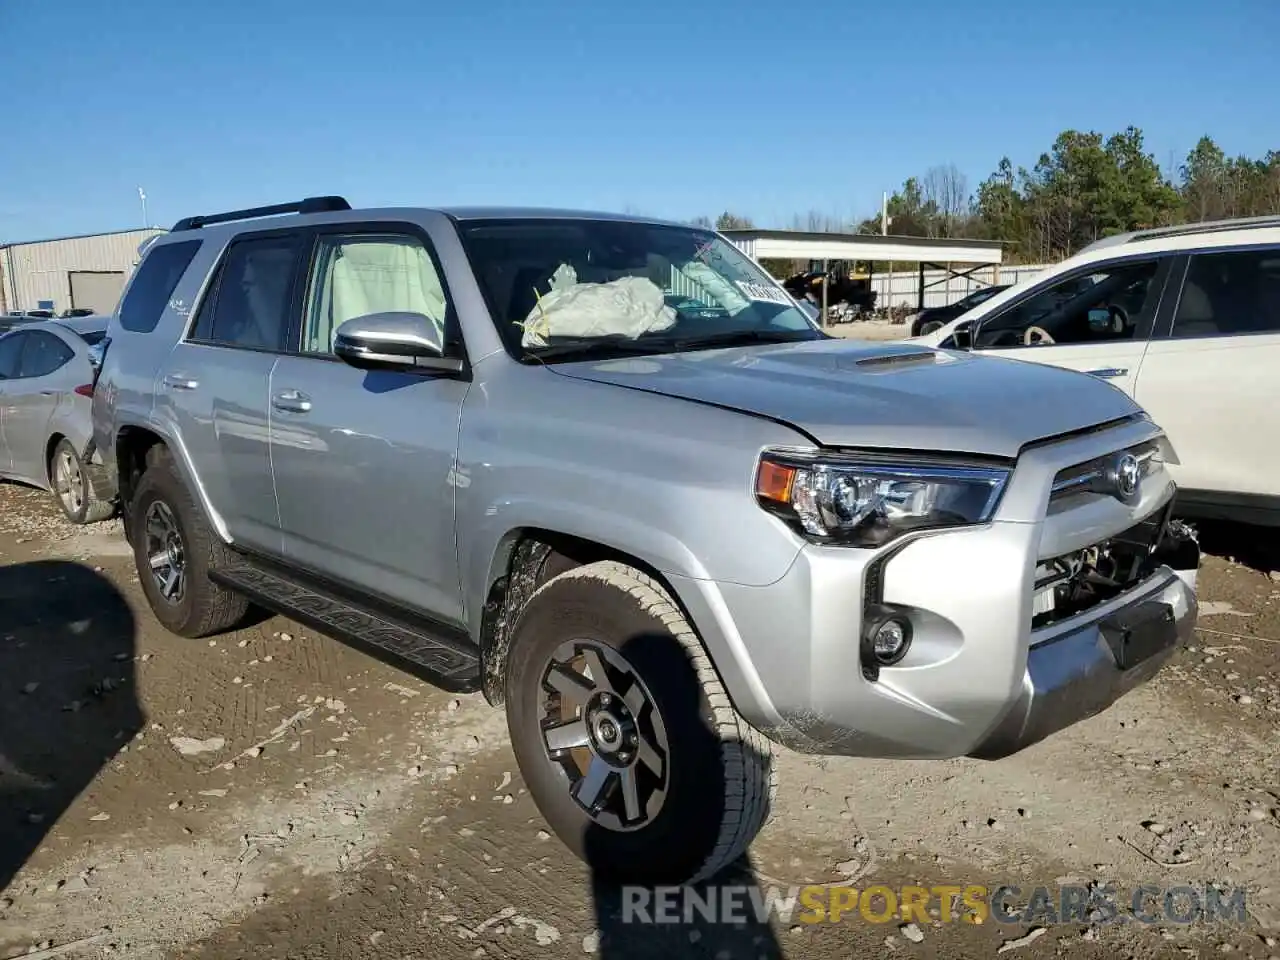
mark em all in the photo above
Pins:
pixel 91 509
pixel 205 607
pixel 721 772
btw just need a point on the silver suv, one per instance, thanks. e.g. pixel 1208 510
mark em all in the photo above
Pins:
pixel 608 472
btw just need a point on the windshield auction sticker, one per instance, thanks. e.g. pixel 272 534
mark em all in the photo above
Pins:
pixel 764 292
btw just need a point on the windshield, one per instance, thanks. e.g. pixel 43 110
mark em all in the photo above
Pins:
pixel 556 284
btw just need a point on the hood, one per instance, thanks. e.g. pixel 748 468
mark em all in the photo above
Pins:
pixel 879 395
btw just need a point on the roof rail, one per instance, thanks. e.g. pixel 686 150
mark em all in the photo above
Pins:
pixel 309 205
pixel 1207 226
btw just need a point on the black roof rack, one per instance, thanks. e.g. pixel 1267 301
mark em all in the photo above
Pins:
pixel 309 205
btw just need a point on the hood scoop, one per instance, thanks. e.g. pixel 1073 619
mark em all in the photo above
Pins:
pixel 914 358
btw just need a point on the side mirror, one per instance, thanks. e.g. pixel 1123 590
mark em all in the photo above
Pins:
pixel 963 336
pixel 395 340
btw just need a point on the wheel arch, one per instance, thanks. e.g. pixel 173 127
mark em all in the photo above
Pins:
pixel 527 557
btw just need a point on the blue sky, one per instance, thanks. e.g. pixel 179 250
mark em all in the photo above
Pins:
pixel 666 108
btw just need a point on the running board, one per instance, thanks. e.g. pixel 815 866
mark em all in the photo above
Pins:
pixel 410 646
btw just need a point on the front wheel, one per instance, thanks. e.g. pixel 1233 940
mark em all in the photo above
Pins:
pixel 624 734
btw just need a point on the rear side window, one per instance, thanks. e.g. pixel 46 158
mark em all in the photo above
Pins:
pixel 43 354
pixel 11 355
pixel 249 305
pixel 1230 294
pixel 158 276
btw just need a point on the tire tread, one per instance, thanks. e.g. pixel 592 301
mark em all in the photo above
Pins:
pixel 750 776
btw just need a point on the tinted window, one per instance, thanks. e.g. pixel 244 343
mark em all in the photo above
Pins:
pixel 357 275
pixel 43 354
pixel 158 274
pixel 250 305
pixel 1227 294
pixel 10 354
pixel 1112 303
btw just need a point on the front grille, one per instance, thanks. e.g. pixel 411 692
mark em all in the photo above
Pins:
pixel 1075 582
pixel 1088 478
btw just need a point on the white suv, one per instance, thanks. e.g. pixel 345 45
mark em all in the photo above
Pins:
pixel 1186 320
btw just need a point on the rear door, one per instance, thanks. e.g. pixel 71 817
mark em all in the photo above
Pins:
pixel 1210 377
pixel 10 358
pixel 215 382
pixel 32 397
pixel 1096 319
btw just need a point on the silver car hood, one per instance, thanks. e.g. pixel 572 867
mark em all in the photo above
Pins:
pixel 885 395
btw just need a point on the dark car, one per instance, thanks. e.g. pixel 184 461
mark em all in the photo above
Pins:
pixel 930 320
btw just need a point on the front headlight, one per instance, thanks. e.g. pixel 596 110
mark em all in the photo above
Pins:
pixel 867 502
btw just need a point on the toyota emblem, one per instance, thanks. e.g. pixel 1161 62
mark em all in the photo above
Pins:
pixel 1127 472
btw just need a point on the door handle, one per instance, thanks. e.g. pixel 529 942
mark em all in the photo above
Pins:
pixel 1108 373
pixel 48 393
pixel 292 401
pixel 178 381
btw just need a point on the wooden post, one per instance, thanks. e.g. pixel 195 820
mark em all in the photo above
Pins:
pixel 825 269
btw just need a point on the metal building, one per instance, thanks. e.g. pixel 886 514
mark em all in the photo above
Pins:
pixel 86 271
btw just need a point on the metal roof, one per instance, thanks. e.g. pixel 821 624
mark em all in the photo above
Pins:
pixel 77 236
pixel 804 245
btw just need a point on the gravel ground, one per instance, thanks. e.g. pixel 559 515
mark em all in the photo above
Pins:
pixel 271 793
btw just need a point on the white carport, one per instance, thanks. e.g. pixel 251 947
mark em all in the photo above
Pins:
pixel 926 252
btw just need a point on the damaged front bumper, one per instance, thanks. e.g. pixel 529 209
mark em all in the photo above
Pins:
pixel 982 677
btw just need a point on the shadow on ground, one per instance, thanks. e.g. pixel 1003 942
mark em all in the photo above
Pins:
pixel 1254 546
pixel 68 700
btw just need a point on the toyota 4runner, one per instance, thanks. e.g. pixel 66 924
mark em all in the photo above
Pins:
pixel 607 472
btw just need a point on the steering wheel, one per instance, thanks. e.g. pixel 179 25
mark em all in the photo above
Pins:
pixel 1037 337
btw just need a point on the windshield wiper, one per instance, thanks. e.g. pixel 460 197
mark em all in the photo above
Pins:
pixel 615 344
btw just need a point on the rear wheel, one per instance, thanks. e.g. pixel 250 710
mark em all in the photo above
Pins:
pixel 929 326
pixel 624 734
pixel 73 488
pixel 174 550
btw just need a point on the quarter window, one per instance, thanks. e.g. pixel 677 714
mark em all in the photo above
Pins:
pixel 1230 294
pixel 1112 303
pixel 249 305
pixel 356 275
pixel 158 275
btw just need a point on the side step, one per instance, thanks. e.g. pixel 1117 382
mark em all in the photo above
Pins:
pixel 427 652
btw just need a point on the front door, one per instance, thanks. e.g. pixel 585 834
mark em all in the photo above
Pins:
pixel 363 460
pixel 1096 320
pixel 216 382
pixel 1210 379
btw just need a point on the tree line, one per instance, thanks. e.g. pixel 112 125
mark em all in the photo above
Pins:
pixel 1087 186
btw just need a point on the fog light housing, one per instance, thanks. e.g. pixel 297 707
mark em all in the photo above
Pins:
pixel 886 638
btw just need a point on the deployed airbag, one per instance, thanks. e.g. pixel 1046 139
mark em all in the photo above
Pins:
pixel 627 306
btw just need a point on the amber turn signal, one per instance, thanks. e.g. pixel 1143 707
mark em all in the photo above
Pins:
pixel 774 482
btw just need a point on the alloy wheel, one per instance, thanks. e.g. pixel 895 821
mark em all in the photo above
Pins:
pixel 603 730
pixel 68 483
pixel 166 554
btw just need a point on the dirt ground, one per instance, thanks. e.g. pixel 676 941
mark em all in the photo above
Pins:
pixel 271 793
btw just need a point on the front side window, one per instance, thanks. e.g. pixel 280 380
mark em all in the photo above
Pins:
pixel 43 354
pixel 360 274
pixel 1112 303
pixel 249 305
pixel 639 287
pixel 1230 294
